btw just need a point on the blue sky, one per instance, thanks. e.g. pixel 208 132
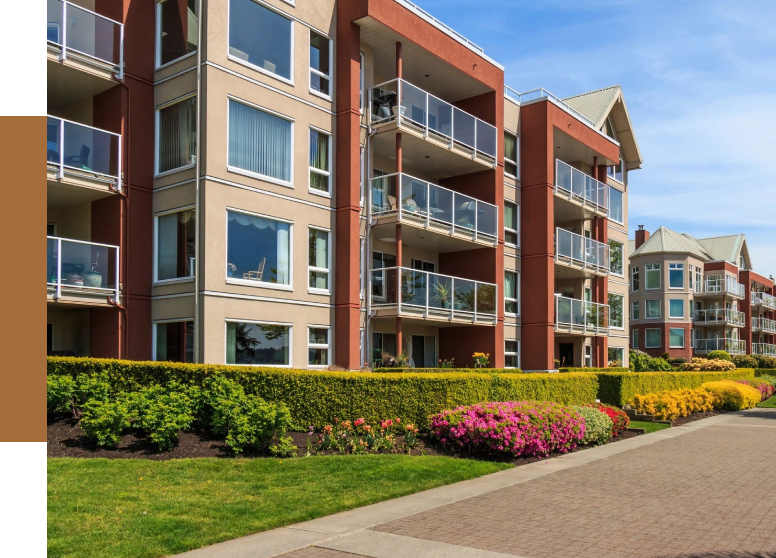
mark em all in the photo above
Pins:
pixel 699 79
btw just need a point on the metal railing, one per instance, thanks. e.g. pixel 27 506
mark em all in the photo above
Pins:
pixel 767 349
pixel 732 346
pixel 542 93
pixel 764 324
pixel 414 199
pixel 719 316
pixel 726 285
pixel 89 151
pixel 85 35
pixel 583 188
pixel 449 30
pixel 577 251
pixel 400 101
pixel 579 316
pixel 763 299
pixel 437 296
pixel 82 267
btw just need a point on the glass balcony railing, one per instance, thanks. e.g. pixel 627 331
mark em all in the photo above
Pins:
pixel 727 285
pixel 400 101
pixel 544 94
pixel 437 296
pixel 579 316
pixel 577 251
pixel 767 349
pixel 720 316
pixel 84 267
pixel 86 35
pixel 764 324
pixel 89 151
pixel 732 346
pixel 580 187
pixel 763 299
pixel 414 199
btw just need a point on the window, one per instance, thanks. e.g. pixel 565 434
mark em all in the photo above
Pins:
pixel 361 268
pixel 635 311
pixel 698 279
pixel 320 162
pixel 588 356
pixel 675 276
pixel 615 171
pixel 652 272
pixel 635 339
pixel 652 309
pixel 511 353
pixel 616 356
pixel 174 341
pixel 511 155
pixel 361 177
pixel 381 260
pixel 511 306
pixel 676 308
pixel 318 346
pixel 258 343
pixel 175 245
pixel 261 37
pixel 676 338
pixel 635 278
pixel 652 338
pixel 511 224
pixel 616 212
pixel 176 135
pixel 383 343
pixel 258 249
pixel 260 143
pixel 361 83
pixel 615 257
pixel 320 65
pixel 616 307
pixel 690 277
pixel 176 30
pixel 319 261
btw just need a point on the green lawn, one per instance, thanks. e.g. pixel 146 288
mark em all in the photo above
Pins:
pixel 140 508
pixel 649 426
pixel 768 403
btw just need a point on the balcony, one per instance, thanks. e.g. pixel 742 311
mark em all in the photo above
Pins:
pixel 764 299
pixel 584 196
pixel 426 296
pixel 579 317
pixel 83 163
pixel 449 140
pixel 721 286
pixel 719 317
pixel 580 254
pixel 767 349
pixel 85 54
pixel 83 273
pixel 458 222
pixel 764 325
pixel 731 346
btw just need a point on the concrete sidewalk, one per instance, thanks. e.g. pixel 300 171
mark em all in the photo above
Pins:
pixel 693 490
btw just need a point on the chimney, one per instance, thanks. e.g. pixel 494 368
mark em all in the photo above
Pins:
pixel 641 236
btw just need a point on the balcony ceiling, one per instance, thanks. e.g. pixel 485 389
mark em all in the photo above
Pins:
pixel 64 196
pixel 444 81
pixel 68 84
pixel 426 239
pixel 572 151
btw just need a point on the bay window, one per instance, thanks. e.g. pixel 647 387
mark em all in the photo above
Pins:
pixel 635 339
pixel 676 308
pixel 652 272
pixel 652 308
pixel 635 278
pixel 176 135
pixel 261 38
pixel 256 343
pixel 675 276
pixel 258 249
pixel 175 245
pixel 635 311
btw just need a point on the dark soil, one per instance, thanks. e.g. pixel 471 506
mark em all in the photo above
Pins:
pixel 695 416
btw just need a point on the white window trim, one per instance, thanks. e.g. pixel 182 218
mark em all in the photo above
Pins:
pixel 635 339
pixel 328 346
pixel 646 308
pixel 635 316
pixel 660 276
pixel 158 40
pixel 175 101
pixel 265 178
pixel 316 170
pixel 361 82
pixel 508 353
pixel 312 70
pixel 313 290
pixel 516 231
pixel 622 306
pixel 509 299
pixel 363 180
pixel 622 259
pixel 290 327
pixel 684 340
pixel 623 207
pixel 516 163
pixel 185 279
pixel 260 284
pixel 635 274
pixel 361 268
pixel 154 334
pixel 669 308
pixel 646 338
pixel 254 66
pixel 669 275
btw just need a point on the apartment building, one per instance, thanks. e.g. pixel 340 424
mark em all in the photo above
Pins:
pixel 692 296
pixel 306 184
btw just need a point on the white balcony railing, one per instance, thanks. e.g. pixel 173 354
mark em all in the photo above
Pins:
pixel 767 349
pixel 720 316
pixel 580 187
pixel 764 324
pixel 577 251
pixel 727 285
pixel 542 93
pixel 415 199
pixel 79 267
pixel 437 296
pixel 88 151
pixel 763 299
pixel 579 316
pixel 85 35
pixel 400 101
pixel 732 346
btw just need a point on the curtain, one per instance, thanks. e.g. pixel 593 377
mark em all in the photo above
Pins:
pixel 161 342
pixel 259 142
pixel 231 342
pixel 252 220
pixel 510 147
pixel 283 254
pixel 510 285
pixel 319 257
pixel 177 135
pixel 319 159
pixel 167 262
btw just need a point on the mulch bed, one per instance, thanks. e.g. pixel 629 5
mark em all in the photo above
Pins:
pixel 696 416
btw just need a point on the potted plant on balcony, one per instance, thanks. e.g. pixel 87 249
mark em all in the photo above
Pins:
pixel 92 277
pixel 442 294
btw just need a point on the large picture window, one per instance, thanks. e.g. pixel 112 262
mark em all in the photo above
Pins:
pixel 320 163
pixel 616 210
pixel 258 343
pixel 261 37
pixel 174 341
pixel 258 249
pixel 511 224
pixel 177 30
pixel 318 262
pixel 320 65
pixel 616 304
pixel 615 257
pixel 176 137
pixel 175 245
pixel 260 142
pixel 652 273
pixel 511 155
pixel 511 292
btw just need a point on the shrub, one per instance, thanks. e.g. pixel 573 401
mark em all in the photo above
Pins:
pixel 745 361
pixel 765 387
pixel 598 426
pixel 104 422
pixel 642 362
pixel 764 361
pixel 719 355
pixel 359 437
pixel 677 360
pixel 660 365
pixel 163 411
pixel 256 424
pixel 770 378
pixel 732 395
pixel 709 365
pixel 67 394
pixel 620 419
pixel 588 370
pixel 670 405
pixel 516 428
pixel 444 370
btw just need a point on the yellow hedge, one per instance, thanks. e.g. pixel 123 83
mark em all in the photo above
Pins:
pixel 732 395
pixel 670 405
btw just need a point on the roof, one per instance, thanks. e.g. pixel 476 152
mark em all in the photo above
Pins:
pixel 665 240
pixel 724 247
pixel 596 105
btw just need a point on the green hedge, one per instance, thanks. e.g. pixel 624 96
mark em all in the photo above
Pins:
pixel 619 388
pixel 761 371
pixel 613 369
pixel 447 370
pixel 317 397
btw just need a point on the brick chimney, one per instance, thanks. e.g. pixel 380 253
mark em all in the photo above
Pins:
pixel 641 236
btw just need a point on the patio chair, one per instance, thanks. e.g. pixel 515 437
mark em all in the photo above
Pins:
pixel 258 274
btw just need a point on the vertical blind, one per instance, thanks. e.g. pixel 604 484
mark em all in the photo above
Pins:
pixel 259 142
pixel 177 135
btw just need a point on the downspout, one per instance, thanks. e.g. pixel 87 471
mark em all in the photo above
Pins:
pixel 197 235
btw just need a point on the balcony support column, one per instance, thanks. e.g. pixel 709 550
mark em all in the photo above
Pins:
pixel 399 337
pixel 398 60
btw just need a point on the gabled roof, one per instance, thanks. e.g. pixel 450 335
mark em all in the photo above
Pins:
pixel 724 248
pixel 664 240
pixel 596 105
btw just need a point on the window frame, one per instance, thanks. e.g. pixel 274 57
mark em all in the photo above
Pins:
pixel 653 267
pixel 622 310
pixel 157 146
pixel 622 258
pixel 361 82
pixel 509 229
pixel 646 338
pixel 290 327
pixel 635 279
pixel 635 339
pixel 684 338
pixel 329 271
pixel 509 353
pixel 635 311
pixel 154 337
pixel 510 299
pixel 312 70
pixel 187 278
pixel 670 313
pixel 515 176
pixel 622 206
pixel 158 39
pixel 316 170
pixel 659 307
pixel 674 266
pixel 328 346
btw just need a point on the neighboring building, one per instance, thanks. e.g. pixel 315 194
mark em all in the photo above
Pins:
pixel 692 296
pixel 313 183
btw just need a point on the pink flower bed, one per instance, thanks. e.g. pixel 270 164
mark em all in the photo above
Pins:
pixel 517 428
pixel 765 388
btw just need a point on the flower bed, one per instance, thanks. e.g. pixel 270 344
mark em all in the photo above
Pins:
pixel 722 395
pixel 765 387
pixel 620 419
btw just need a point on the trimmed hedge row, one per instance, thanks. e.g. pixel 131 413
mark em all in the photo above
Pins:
pixel 619 388
pixel 612 369
pixel 447 371
pixel 318 397
pixel 763 371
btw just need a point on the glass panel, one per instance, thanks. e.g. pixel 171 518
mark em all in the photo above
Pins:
pixel 486 299
pixel 178 24
pixel 54 21
pixel 317 356
pixel 83 265
pixel 384 101
pixel 486 138
pixel 440 117
pixel 258 249
pixel 413 104
pixel 463 296
pixel 319 60
pixel 177 135
pixel 615 205
pixel 563 310
pixel 615 309
pixel 93 35
pixel 319 159
pixel 318 336
pixel 175 245
pixel 441 291
pixel 52 139
pixel 87 149
pixel 463 128
pixel 384 194
pixel 414 285
pixel 175 342
pixel 676 336
pixel 414 196
pixel 260 36
pixel 384 286
pixel 441 204
pixel 465 211
pixel 260 344
pixel 259 142
pixel 51 261
pixel 563 176
pixel 486 219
